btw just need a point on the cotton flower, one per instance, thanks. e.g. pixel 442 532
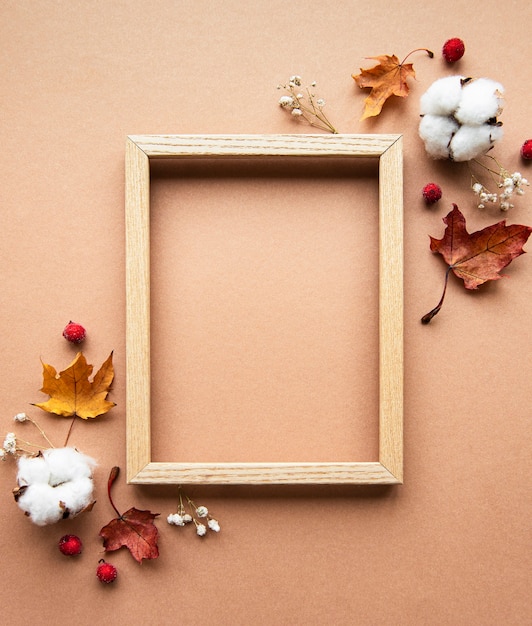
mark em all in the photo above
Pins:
pixel 459 117
pixel 55 484
pixel 213 525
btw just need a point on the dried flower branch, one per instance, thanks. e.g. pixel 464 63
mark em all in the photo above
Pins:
pixel 198 515
pixel 303 104
pixel 507 183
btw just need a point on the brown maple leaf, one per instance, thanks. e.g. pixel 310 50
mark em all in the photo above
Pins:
pixel 133 529
pixel 476 257
pixel 72 394
pixel 386 79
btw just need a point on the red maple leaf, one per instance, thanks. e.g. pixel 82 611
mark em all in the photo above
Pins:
pixel 476 257
pixel 133 529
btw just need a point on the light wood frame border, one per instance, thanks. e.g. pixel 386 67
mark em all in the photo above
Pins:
pixel 388 150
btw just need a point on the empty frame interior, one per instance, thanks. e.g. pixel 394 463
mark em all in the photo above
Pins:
pixel 387 151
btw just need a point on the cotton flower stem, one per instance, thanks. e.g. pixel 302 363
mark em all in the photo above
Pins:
pixel 429 52
pixel 426 318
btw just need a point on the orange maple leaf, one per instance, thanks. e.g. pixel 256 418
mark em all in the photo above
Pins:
pixel 72 394
pixel 476 257
pixel 386 79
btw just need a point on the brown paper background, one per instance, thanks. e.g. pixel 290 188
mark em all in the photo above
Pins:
pixel 451 546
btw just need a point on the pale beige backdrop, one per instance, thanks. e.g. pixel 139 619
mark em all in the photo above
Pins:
pixel 449 547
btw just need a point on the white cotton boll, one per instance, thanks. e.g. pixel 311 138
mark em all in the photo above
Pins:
pixel 39 502
pixel 442 97
pixel 54 485
pixel 437 133
pixel 472 141
pixel 75 495
pixel 67 464
pixel 32 470
pixel 481 100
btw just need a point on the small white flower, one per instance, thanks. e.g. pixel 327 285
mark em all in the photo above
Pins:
pixel 297 112
pixel 477 188
pixel 187 518
pixel 201 529
pixel 286 101
pixel 2 454
pixel 213 525
pixel 320 102
pixel 175 519
pixel 10 443
pixel 20 417
pixel 296 80
pixel 202 511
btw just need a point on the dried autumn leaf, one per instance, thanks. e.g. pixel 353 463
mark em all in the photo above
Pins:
pixel 387 78
pixel 72 394
pixel 133 529
pixel 476 257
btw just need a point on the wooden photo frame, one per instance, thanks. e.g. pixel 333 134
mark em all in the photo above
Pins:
pixel 387 149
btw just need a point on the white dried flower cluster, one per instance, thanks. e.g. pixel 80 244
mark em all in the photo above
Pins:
pixel 303 103
pixel 181 518
pixel 509 184
pixel 54 485
pixel 10 445
pixel 459 117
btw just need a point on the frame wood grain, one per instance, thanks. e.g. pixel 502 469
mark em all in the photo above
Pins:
pixel 388 150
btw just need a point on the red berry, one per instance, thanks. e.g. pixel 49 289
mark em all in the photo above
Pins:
pixel 526 149
pixel 70 545
pixel 431 193
pixel 74 332
pixel 453 50
pixel 106 572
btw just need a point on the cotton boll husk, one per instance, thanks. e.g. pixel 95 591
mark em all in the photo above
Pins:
pixel 472 141
pixel 40 503
pixel 481 100
pixel 442 97
pixel 437 132
pixel 32 470
pixel 67 464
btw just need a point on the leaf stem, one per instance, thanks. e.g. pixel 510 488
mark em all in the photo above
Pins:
pixel 426 318
pixel 69 431
pixel 112 477
pixel 429 52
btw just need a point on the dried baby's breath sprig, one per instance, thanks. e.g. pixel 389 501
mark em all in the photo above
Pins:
pixel 303 104
pixel 198 515
pixel 16 446
pixel 507 184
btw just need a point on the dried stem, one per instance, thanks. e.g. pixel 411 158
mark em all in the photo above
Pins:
pixel 429 52
pixel 426 318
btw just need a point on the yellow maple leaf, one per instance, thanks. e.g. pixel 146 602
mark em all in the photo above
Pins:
pixel 72 394
pixel 387 78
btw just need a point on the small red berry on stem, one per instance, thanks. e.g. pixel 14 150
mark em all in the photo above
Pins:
pixel 453 50
pixel 431 193
pixel 70 545
pixel 106 572
pixel 526 150
pixel 75 333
